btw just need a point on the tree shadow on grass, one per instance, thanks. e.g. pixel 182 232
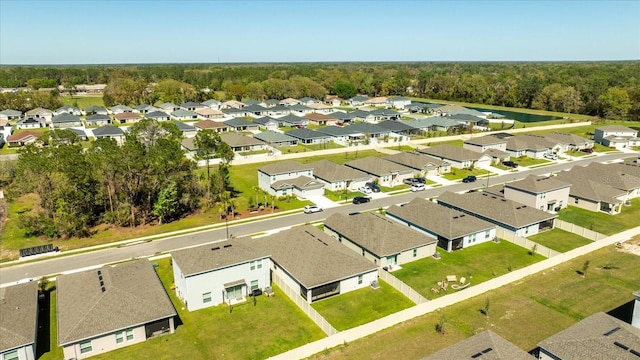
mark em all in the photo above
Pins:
pixel 44 324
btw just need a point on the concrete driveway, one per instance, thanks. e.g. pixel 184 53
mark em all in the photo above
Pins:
pixel 322 202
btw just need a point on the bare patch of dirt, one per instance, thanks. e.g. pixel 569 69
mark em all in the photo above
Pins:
pixel 631 247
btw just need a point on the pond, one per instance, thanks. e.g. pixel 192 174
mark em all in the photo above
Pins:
pixel 514 115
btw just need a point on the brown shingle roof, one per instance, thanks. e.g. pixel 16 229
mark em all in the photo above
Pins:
pixel 200 259
pixel 209 124
pixel 568 139
pixel 586 184
pixel 18 315
pixel 23 135
pixel 320 117
pixel 594 338
pixel 529 142
pixel 485 140
pixel 488 344
pixel 380 236
pixel 416 161
pixel 377 166
pixel 535 184
pixel 234 139
pixel 443 221
pixel 615 128
pixel 331 172
pixel 126 116
pixel 456 153
pixel 283 167
pixel 132 295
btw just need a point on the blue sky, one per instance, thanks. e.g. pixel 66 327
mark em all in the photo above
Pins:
pixel 106 32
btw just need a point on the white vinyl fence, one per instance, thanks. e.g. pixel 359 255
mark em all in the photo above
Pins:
pixel 525 243
pixel 405 289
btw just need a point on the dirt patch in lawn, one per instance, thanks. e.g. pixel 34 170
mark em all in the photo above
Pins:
pixel 632 246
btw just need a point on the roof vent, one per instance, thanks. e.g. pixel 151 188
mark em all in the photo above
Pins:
pixel 103 289
pixel 623 346
pixel 612 331
pixel 215 248
pixel 227 246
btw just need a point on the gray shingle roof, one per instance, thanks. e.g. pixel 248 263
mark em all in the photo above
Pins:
pixel 331 172
pixel 108 131
pixel 11 112
pixel 254 108
pixel 98 117
pixel 366 128
pixel 65 118
pixel 457 109
pixel 338 130
pixel 451 152
pixel 156 115
pixel 466 118
pixel 485 140
pixel 132 295
pixel 443 221
pixel 264 120
pixel 313 257
pixel 283 167
pixel 292 120
pixel 121 107
pixel 306 134
pixel 416 161
pixel 183 126
pixel 271 136
pixel 615 128
pixel 587 183
pixel 567 139
pixel 238 122
pixel 529 142
pixel 486 206
pixel 201 259
pixel 395 126
pixel 183 112
pixel 588 339
pixel 377 166
pixel 234 139
pixel 373 232
pixel 538 184
pixel 18 315
pixel 488 344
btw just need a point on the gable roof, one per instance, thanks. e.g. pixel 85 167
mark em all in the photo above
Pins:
pixel 156 115
pixel 300 182
pixel 529 142
pixel 189 144
pixel 95 302
pixel 266 119
pixel 39 111
pixel 108 130
pixel 183 126
pixel 595 338
pixel 451 152
pixel 223 254
pixel 568 139
pixel 378 166
pixel 485 140
pixel 292 120
pixel 168 106
pixel 313 257
pixel 332 172
pixel 210 124
pixel 271 136
pixel 23 135
pixel 281 167
pixel 466 118
pixel 126 116
pixel 538 184
pixel 617 128
pixel 366 128
pixel 238 122
pixel 184 112
pixel 358 98
pixel 588 183
pixel 235 139
pixel 65 118
pixel 254 108
pixel 417 161
pixel 18 315
pixel 337 130
pixel 98 117
pixel 437 219
pixel 11 112
pixel 377 234
pixel 491 207
pixel 486 345
pixel 395 126
pixel 319 117
pixel 211 102
pixel 307 134
pixel 457 109
pixel 121 107
pixel 208 112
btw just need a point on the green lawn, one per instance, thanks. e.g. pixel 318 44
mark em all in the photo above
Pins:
pixel 273 326
pixel 525 312
pixel 476 263
pixel 602 222
pixel 527 161
pixel 361 306
pixel 82 102
pixel 457 174
pixel 323 146
pixel 560 240
pixel 340 196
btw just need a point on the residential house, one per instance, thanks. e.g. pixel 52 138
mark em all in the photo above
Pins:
pixel 111 132
pixel 306 101
pixel 314 265
pixel 382 115
pixel 385 172
pixel 382 241
pixel 357 100
pixel 470 121
pixel 239 124
pixel 481 144
pixel 486 345
pixel 616 136
pixel 544 193
pixel 182 114
pixel 22 138
pixel 308 137
pixel 300 109
pixel 398 102
pixel 19 321
pixel 343 135
pixel 65 120
pixel 366 131
pixel 448 110
pixel 267 123
pixel 187 129
pixel 126 117
pixel 398 127
pixel 269 103
pixel 333 100
pixel 533 146
pixel 67 109
pixel 433 123
pixel 599 336
pixel 145 109
pixel 253 102
pixel 209 113
pixel 213 104
pixel 254 110
pixel 158 116
pixel 458 157
pixel 511 215
pixel 289 178
pixel 289 102
pixel 80 133
pixel 337 177
pixel 104 309
pixel 31 123
pixel 10 114
pixel 98 120
pixel 96 110
pixel 321 119
pixel 361 115
pixel 277 110
pixel 168 107
pixel 320 108
pixel 188 145
pixel 235 113
pixel 452 229
pixel 192 106
pixel 223 272
pixel 41 113
pixel 343 117
pixel 213 125
pixel 422 165
pixel 232 104
pixel 276 139
pixel 417 108
pixel 569 142
pixel 91 88
pixel 293 121
pixel 239 142
pixel 119 109
pixel 376 101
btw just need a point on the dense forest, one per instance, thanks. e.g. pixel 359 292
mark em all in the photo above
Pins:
pixel 604 89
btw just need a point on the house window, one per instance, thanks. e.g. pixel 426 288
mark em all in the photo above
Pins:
pixel 575 200
pixel 359 279
pixel 129 334
pixel 487 234
pixel 85 347
pixel 206 297
pixel 13 355
pixel 119 337
pixel 415 252
pixel 254 285
pixel 259 264
pixel 252 265
pixel 362 252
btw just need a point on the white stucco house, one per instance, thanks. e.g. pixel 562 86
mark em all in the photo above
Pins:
pixel 289 178
pixel 616 136
pixel 544 193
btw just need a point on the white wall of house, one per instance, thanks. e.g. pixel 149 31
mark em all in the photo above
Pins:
pixel 635 320
pixel 358 281
pixel 23 353
pixel 265 180
pixel 417 253
pixel 483 148
pixel 559 198
pixel 478 237
pixel 105 343
pixel 67 124
pixel 600 134
pixel 306 193
pixel 528 230
pixel 192 289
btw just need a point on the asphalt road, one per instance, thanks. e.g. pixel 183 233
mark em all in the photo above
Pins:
pixel 58 265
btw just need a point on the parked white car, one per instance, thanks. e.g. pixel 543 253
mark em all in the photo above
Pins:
pixel 551 156
pixel 417 187
pixel 365 190
pixel 310 209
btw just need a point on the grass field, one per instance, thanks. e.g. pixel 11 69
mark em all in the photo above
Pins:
pixel 361 306
pixel 525 312
pixel 527 161
pixel 602 222
pixel 271 327
pixel 559 240
pixel 476 263
pixel 82 102
pixel 457 174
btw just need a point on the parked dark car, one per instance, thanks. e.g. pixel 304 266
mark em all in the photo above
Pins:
pixel 510 164
pixel 361 200
pixel 469 179
pixel 373 186
pixel 412 181
pixel 587 150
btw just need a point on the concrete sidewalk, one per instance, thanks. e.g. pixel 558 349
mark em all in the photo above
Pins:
pixel 421 309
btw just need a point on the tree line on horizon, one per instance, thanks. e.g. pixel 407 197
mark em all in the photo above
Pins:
pixel 603 89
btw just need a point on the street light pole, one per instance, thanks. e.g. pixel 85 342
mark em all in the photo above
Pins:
pixel 226 223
